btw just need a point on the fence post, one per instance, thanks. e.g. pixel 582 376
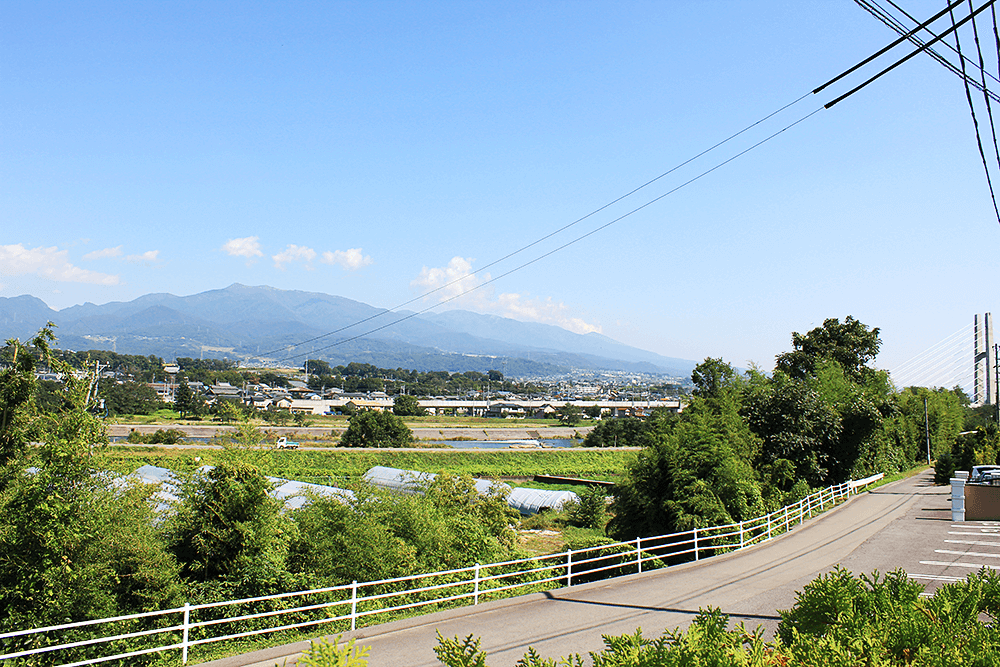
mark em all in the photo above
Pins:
pixel 638 553
pixel 696 543
pixel 769 517
pixel 742 540
pixel 475 600
pixel 569 568
pixel 786 518
pixel 354 604
pixel 802 511
pixel 187 625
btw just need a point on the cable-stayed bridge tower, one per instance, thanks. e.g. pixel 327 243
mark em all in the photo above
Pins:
pixel 984 361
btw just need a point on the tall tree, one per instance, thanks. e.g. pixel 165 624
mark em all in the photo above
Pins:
pixel 184 400
pixel 851 344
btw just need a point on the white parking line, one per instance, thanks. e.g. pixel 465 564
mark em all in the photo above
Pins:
pixel 936 577
pixel 952 532
pixel 965 553
pixel 977 542
pixel 976 566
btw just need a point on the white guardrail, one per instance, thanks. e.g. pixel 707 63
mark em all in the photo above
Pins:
pixel 122 637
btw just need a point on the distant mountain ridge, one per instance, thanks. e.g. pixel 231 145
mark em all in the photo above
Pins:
pixel 264 324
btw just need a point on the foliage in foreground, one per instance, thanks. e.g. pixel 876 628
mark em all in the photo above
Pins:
pixel 838 620
pixel 324 653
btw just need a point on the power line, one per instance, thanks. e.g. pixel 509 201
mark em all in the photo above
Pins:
pixel 540 240
pixel 885 17
pixel 909 35
pixel 565 245
pixel 907 57
pixel 972 110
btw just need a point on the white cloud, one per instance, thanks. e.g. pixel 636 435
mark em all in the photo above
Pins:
pixel 351 259
pixel 147 257
pixel 248 246
pixel 545 311
pixel 51 263
pixel 294 253
pixel 104 254
pixel 455 283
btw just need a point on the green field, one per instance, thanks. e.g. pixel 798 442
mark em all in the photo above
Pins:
pixel 347 466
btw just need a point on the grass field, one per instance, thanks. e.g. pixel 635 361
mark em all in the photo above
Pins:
pixel 347 466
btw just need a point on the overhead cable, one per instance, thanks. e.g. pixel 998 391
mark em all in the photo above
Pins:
pixel 885 17
pixel 547 236
pixel 634 191
pixel 972 110
pixel 905 58
pixel 567 244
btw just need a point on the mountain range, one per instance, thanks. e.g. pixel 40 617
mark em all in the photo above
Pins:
pixel 267 325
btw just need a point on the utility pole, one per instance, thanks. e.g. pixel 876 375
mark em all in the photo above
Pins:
pixel 927 431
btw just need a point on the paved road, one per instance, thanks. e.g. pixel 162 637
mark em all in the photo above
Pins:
pixel 905 524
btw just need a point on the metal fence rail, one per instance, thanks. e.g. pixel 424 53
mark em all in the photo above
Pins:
pixel 184 627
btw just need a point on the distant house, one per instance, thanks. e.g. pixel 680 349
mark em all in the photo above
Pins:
pixel 543 412
pixel 505 411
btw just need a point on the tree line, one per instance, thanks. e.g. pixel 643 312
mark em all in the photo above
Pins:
pixel 749 443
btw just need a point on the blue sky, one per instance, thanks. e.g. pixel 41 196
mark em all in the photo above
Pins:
pixel 376 149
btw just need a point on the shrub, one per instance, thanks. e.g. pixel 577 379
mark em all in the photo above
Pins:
pixel 376 429
pixel 591 510
pixel 324 653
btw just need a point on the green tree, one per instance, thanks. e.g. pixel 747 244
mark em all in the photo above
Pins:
pixel 711 377
pixel 695 472
pixel 569 414
pixel 591 510
pixel 184 400
pixel 17 392
pixel 129 398
pixel 795 424
pixel 851 344
pixel 376 429
pixel 405 405
pixel 229 529
pixel 620 432
pixel 227 411
pixel 71 546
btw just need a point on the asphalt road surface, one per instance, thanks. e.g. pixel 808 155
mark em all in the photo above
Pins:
pixel 906 525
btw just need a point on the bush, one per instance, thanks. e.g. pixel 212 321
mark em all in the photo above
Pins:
pixel 591 510
pixel 376 429
pixel 944 468
pixel 323 653
pixel 170 436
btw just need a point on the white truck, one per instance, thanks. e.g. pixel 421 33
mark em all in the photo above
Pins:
pixel 285 443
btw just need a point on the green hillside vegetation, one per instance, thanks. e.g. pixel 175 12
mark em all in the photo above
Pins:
pixel 750 443
pixel 75 547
